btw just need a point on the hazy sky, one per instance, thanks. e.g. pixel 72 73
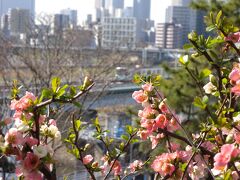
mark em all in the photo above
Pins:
pixel 85 7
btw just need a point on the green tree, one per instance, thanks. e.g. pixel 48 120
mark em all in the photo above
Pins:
pixel 230 8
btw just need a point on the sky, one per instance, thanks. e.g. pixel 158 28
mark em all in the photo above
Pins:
pixel 85 7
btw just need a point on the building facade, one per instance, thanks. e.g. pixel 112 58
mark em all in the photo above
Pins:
pixel 118 32
pixel 141 9
pixel 72 16
pixel 5 5
pixel 60 22
pixel 168 35
pixel 19 21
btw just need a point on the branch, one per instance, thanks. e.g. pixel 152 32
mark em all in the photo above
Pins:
pixel 64 101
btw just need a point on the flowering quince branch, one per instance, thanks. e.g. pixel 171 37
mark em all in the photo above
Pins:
pixel 34 138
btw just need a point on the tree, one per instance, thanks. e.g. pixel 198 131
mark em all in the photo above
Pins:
pixel 229 7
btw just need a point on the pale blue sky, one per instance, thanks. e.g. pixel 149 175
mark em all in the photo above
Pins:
pixel 85 7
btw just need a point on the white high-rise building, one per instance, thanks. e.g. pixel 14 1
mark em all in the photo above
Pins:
pixel 168 35
pixel 118 32
pixel 5 5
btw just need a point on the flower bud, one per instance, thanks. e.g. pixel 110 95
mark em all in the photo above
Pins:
pixel 87 82
pixel 86 147
pixel 95 165
pixel 230 138
pixel 193 36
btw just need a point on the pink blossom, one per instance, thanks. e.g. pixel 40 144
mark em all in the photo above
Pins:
pixel 87 159
pixel 234 74
pixel 23 103
pixel 174 146
pixel 162 165
pixel 52 122
pixel 161 121
pixel 117 168
pixel 163 107
pixel 139 96
pixel 136 165
pixel 31 141
pixel 234 37
pixel 236 89
pixel 208 145
pixel 148 124
pixel 34 175
pixel 155 140
pixel 228 151
pixel 148 87
pixel 14 137
pixel 30 162
pixel 148 113
pixel 143 134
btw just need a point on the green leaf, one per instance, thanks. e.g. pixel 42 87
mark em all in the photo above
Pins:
pixel 218 17
pixel 210 28
pixel 205 73
pixel 184 60
pixel 187 46
pixel 55 83
pixel 46 93
pixel 205 99
pixel 77 104
pixel 78 124
pixel 137 79
pixel 198 103
pixel 129 129
pixel 125 137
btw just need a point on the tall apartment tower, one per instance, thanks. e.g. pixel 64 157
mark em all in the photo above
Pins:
pixel 141 9
pixel 115 4
pixel 168 35
pixel 19 21
pixel 180 15
pixel 61 21
pixel 72 16
pixel 5 5
pixel 99 9
pixel 181 2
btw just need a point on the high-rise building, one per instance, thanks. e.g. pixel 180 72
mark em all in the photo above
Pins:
pixel 118 32
pixel 72 16
pixel 99 4
pixel 5 24
pixel 141 9
pixel 168 35
pixel 19 21
pixel 114 4
pixel 61 22
pixel 181 2
pixel 5 5
pixel 180 15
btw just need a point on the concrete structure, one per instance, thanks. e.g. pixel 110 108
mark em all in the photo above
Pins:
pixel 141 9
pixel 61 22
pixel 5 5
pixel 115 4
pixel 5 24
pixel 180 15
pixel 168 35
pixel 181 2
pixel 19 21
pixel 118 32
pixel 72 16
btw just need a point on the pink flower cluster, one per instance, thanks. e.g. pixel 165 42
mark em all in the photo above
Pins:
pixel 20 140
pixel 116 166
pixel 228 152
pixel 234 76
pixel 164 164
pixel 154 116
pixel 234 37
pixel 135 166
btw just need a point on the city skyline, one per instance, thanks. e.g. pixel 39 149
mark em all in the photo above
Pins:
pixel 87 7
